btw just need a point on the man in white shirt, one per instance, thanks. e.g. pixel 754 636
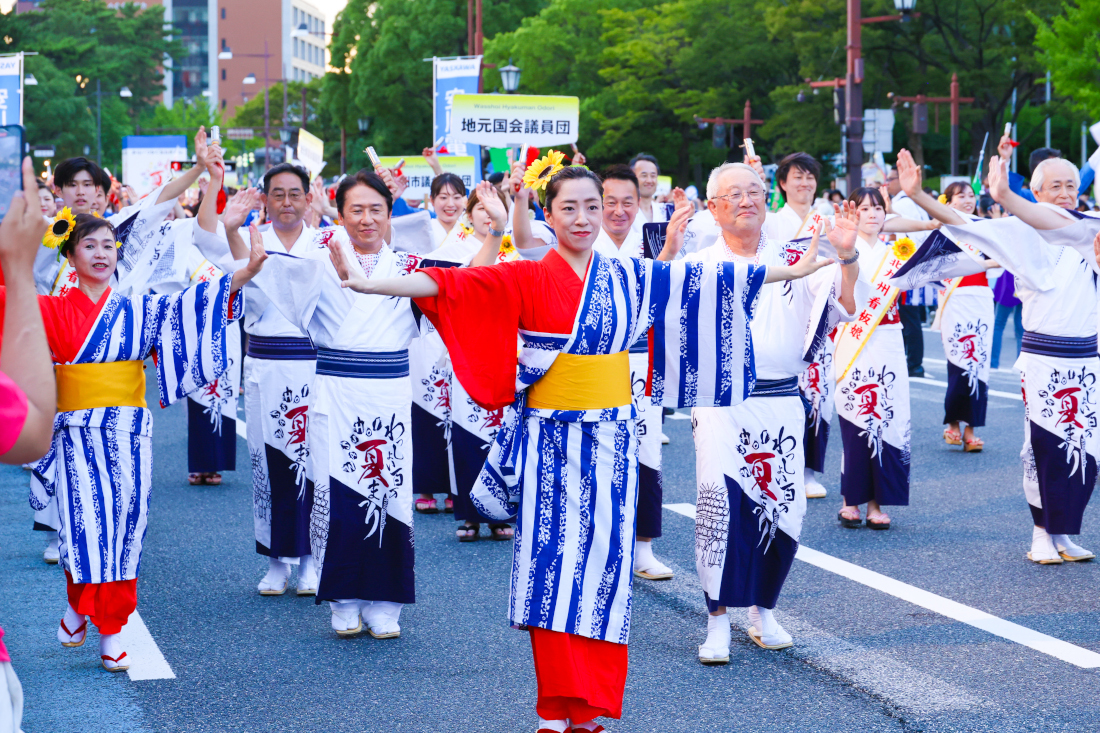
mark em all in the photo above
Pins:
pixel 645 167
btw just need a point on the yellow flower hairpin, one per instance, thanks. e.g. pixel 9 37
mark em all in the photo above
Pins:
pixel 540 172
pixel 943 198
pixel 118 245
pixel 904 248
pixel 60 229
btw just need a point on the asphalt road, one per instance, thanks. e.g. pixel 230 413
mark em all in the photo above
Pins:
pixel 863 659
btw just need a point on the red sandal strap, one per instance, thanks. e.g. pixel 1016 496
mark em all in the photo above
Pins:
pixel 117 660
pixel 82 627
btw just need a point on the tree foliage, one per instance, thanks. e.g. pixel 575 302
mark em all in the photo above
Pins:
pixel 118 45
pixel 1070 48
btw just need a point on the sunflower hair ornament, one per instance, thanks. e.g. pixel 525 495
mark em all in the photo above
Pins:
pixel 60 229
pixel 539 173
pixel 943 198
pixel 904 248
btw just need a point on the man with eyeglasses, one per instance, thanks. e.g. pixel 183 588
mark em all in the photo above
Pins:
pixel 1058 361
pixel 279 367
pixel 750 458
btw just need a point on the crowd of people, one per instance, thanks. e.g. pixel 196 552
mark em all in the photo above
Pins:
pixel 512 347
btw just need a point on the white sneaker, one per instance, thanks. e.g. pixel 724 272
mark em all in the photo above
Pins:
pixel 381 618
pixel 716 649
pixel 52 553
pixel 1043 551
pixel 307 576
pixel 664 439
pixel 345 617
pixel 814 489
pixel 277 578
pixel 1069 551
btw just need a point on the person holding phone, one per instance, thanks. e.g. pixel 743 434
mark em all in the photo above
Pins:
pixel 99 339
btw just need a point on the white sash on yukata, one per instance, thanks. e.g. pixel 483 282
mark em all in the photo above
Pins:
pixel 881 264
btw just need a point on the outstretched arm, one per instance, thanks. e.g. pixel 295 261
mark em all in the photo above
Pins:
pixel 1035 215
pixel 808 264
pixel 674 234
pixel 256 257
pixel 416 285
pixel 174 188
pixel 910 178
pixel 24 352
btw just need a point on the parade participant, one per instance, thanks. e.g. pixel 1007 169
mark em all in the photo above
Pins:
pixel 647 169
pixel 473 428
pixel 279 370
pixel 797 176
pixel 212 410
pixel 872 394
pixel 448 197
pixel 749 461
pixel 83 187
pixel 912 304
pixel 1058 362
pixel 965 315
pixel 360 445
pixel 564 463
pixel 99 340
pixel 619 238
pixel 46 199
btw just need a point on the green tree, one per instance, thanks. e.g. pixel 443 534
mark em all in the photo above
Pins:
pixel 117 46
pixel 1070 48
pixel 380 48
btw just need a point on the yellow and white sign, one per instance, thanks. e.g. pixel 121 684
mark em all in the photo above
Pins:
pixel 420 174
pixel 311 152
pixel 503 120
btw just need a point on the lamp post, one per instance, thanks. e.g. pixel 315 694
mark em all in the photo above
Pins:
pixel 509 77
pixel 124 92
pixel 853 81
pixel 226 54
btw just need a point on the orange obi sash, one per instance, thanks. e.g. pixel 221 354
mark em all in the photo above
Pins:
pixel 583 382
pixel 88 386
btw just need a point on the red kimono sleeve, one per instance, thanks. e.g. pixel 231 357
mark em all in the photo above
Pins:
pixel 477 312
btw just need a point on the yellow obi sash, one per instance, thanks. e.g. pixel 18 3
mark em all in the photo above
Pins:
pixel 88 386
pixel 583 382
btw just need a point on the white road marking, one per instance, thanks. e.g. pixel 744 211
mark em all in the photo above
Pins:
pixel 870 670
pixel 146 661
pixel 992 392
pixel 1075 655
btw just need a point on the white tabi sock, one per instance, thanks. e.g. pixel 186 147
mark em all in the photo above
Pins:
pixel 771 633
pixel 717 645
pixel 557 726
pixel 590 725
pixel 1042 546
pixel 52 554
pixel 1065 545
pixel 814 489
pixel 278 572
pixel 72 621
pixel 345 614
pixel 111 646
pixel 381 616
pixel 754 619
pixel 644 560
pixel 307 574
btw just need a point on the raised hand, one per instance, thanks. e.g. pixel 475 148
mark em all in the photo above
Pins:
pixel 238 207
pixel 1006 146
pixel 674 234
pixel 1095 247
pixel 518 189
pixel 387 178
pixel 842 235
pixel 909 173
pixel 201 148
pixel 998 179
pixel 487 196
pixel 884 190
pixel 679 198
pixel 754 162
pixel 808 263
pixel 257 252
